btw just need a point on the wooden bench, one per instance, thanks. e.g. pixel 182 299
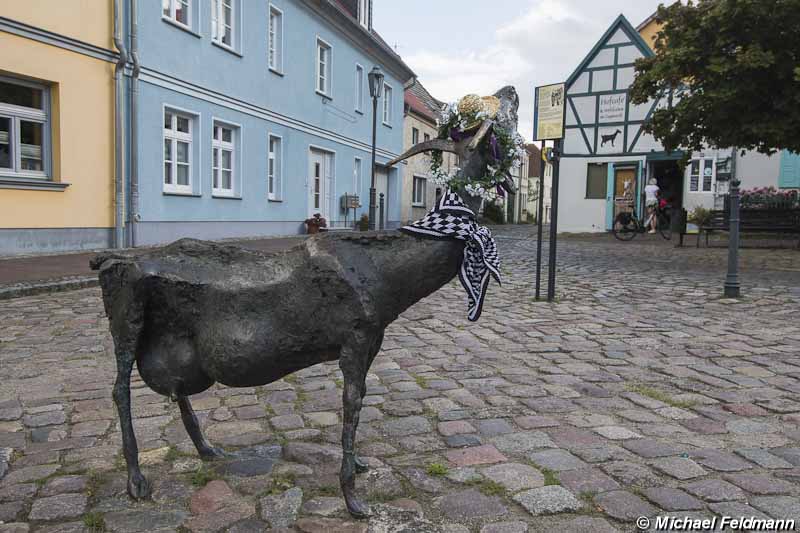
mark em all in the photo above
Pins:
pixel 780 221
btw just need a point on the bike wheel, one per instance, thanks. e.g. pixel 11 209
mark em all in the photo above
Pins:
pixel 625 227
pixel 665 226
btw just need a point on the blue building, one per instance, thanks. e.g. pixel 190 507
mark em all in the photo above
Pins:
pixel 247 117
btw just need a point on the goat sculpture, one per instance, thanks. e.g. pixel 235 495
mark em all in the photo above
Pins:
pixel 195 313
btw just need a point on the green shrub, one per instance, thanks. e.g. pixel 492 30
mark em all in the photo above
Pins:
pixel 700 216
pixel 493 212
pixel 363 223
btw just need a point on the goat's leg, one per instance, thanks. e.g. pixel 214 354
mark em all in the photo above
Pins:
pixel 206 451
pixel 361 466
pixel 138 487
pixel 353 363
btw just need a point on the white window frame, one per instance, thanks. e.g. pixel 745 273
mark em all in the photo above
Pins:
pixel 275 162
pixel 275 40
pixel 358 174
pixel 220 145
pixel 18 114
pixel 360 86
pixel 218 22
pixel 700 178
pixel 328 71
pixel 174 137
pixel 363 13
pixel 419 202
pixel 388 103
pixel 173 12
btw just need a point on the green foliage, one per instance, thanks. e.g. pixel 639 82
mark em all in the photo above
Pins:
pixel 493 212
pixel 550 477
pixel 363 222
pixel 437 469
pixel 733 67
pixel 202 476
pixel 700 216
pixel 660 396
pixel 94 522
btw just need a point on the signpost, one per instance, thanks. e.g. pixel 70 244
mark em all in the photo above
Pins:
pixel 548 124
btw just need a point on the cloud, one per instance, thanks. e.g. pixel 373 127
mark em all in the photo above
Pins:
pixel 542 44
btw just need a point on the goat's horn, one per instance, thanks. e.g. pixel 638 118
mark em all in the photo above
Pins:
pixel 445 145
pixel 480 134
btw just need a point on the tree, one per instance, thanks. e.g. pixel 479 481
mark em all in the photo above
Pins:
pixel 733 70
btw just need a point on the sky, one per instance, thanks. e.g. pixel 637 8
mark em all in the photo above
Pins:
pixel 457 47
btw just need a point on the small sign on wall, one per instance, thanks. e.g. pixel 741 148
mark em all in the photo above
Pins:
pixel 612 107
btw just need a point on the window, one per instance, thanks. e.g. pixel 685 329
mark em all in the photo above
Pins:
pixel 596 181
pixel 222 22
pixel 363 12
pixel 177 153
pixel 176 11
pixel 426 137
pixel 387 104
pixel 414 136
pixel 274 168
pixel 275 44
pixel 701 175
pixel 359 88
pixel 323 67
pixel 418 194
pixel 223 148
pixel 24 129
pixel 357 176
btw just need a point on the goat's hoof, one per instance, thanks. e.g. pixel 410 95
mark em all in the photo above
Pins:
pixel 357 508
pixel 361 465
pixel 212 454
pixel 138 487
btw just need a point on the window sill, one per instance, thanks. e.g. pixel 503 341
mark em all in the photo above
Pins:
pixel 275 200
pixel 387 124
pixel 276 72
pixel 360 112
pixel 178 193
pixel 418 205
pixel 225 196
pixel 33 184
pixel 227 48
pixel 180 26
pixel 325 97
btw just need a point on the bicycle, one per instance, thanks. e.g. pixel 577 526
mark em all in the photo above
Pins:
pixel 627 225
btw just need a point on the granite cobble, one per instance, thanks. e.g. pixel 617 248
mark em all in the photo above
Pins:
pixel 640 390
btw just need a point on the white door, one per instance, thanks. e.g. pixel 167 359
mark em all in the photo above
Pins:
pixel 319 184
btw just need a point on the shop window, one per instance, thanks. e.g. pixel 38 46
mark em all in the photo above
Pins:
pixel 597 181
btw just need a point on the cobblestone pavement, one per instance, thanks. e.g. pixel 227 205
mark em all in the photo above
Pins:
pixel 640 392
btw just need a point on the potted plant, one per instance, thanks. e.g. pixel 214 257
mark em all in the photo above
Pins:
pixel 314 224
pixel 363 222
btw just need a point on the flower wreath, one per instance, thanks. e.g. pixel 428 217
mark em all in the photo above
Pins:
pixel 503 149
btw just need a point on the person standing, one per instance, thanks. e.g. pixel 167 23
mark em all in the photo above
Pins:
pixel 651 201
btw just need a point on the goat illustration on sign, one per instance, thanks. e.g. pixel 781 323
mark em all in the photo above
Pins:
pixel 611 137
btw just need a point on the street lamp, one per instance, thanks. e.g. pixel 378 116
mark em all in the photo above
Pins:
pixel 375 90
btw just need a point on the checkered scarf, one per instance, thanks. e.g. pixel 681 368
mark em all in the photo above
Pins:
pixel 452 219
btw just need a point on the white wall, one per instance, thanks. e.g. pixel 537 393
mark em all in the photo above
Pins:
pixel 758 170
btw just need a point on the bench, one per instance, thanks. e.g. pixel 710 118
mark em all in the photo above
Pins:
pixel 779 220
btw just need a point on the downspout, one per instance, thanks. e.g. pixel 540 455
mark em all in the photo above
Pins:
pixel 134 118
pixel 119 133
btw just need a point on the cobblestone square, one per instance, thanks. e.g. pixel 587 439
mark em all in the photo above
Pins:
pixel 640 391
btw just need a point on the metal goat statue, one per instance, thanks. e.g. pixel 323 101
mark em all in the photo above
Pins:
pixel 195 313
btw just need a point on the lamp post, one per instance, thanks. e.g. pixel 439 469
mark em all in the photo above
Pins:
pixel 375 90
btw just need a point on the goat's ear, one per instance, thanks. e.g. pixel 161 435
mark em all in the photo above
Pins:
pixel 445 145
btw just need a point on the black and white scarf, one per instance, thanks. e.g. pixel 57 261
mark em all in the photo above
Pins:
pixel 452 219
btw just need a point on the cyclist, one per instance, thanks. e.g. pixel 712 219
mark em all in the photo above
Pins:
pixel 651 201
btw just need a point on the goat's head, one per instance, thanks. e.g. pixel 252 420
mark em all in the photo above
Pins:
pixel 472 161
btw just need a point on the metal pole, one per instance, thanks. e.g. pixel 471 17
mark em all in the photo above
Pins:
pixel 380 225
pixel 540 222
pixel 372 183
pixel 551 273
pixel 732 279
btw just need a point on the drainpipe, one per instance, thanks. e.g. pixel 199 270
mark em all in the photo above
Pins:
pixel 119 133
pixel 134 118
